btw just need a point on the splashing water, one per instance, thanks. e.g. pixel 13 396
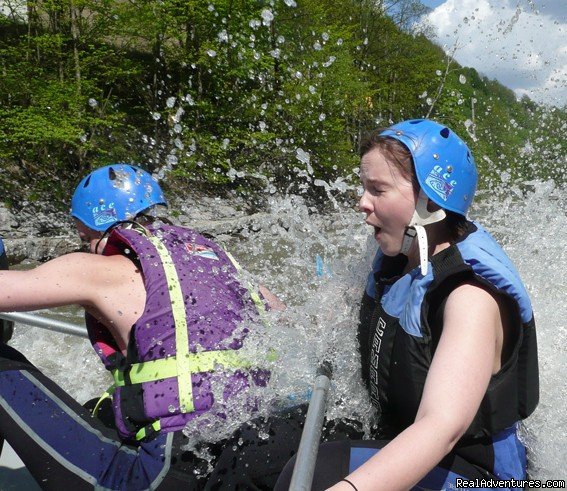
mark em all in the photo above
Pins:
pixel 532 226
pixel 280 251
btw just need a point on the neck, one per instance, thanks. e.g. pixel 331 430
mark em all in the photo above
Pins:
pixel 438 239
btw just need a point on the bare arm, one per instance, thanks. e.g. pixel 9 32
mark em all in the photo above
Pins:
pixel 63 281
pixel 456 383
pixel 110 288
pixel 273 302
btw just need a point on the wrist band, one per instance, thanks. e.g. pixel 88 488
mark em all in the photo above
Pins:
pixel 353 486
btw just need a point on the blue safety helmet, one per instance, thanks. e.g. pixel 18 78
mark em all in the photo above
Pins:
pixel 443 163
pixel 113 193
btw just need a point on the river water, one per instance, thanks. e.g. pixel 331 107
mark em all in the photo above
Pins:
pixel 322 299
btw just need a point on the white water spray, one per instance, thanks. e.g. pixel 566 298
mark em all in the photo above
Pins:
pixel 321 318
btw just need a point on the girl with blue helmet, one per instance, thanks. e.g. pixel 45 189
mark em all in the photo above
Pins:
pixel 168 312
pixel 446 335
pixel 114 192
pixel 110 194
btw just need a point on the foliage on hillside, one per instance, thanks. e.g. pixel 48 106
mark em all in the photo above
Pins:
pixel 238 93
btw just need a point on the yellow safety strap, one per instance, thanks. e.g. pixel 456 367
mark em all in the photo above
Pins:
pixel 145 431
pixel 272 353
pixel 253 294
pixel 107 393
pixel 204 361
pixel 182 362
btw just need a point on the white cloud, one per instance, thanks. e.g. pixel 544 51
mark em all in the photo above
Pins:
pixel 521 43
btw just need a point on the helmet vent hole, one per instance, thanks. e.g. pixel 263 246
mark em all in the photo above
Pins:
pixel 87 181
pixel 111 174
pixel 445 132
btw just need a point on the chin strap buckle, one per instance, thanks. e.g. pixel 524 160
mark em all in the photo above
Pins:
pixel 421 217
pixel 409 235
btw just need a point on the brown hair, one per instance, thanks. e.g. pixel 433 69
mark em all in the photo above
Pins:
pixel 397 154
pixel 394 151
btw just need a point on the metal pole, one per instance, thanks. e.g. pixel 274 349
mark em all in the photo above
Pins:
pixel 45 323
pixel 306 457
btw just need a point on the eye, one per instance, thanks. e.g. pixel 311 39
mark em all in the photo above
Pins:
pixel 375 190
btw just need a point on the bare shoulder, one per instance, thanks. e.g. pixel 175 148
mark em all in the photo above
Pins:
pixel 471 297
pixel 472 312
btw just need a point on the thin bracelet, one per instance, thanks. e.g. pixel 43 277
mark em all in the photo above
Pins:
pixel 353 486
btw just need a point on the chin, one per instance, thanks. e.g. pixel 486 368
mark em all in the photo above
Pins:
pixel 389 251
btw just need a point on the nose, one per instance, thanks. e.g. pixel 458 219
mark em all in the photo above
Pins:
pixel 364 203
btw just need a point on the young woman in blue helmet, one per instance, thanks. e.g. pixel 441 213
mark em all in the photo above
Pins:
pixel 447 335
pixel 167 314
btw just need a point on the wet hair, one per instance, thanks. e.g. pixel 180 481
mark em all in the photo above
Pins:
pixel 397 154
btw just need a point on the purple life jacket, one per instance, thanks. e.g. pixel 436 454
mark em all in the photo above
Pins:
pixel 218 309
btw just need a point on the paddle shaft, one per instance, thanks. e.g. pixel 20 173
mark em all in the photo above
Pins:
pixel 306 458
pixel 45 323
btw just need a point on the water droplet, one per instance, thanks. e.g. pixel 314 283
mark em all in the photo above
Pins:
pixel 267 16
pixel 223 36
pixel 254 23
pixel 329 61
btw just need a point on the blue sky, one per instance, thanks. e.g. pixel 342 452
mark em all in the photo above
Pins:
pixel 521 43
pixel 432 3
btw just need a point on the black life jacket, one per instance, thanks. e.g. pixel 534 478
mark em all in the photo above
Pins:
pixel 398 335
